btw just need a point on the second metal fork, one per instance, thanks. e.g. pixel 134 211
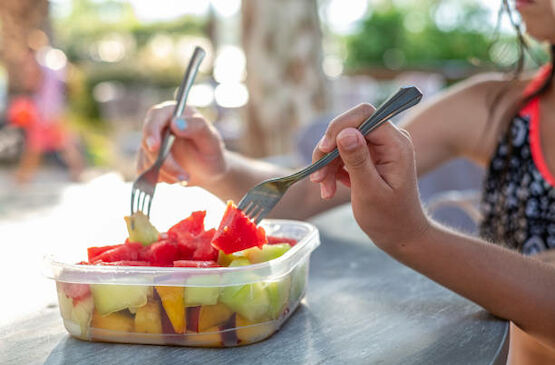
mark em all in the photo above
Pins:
pixel 262 198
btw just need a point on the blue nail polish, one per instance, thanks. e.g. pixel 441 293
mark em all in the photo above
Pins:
pixel 181 124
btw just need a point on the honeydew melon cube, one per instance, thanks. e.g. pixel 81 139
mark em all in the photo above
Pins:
pixel 110 298
pixel 266 253
pixel 202 295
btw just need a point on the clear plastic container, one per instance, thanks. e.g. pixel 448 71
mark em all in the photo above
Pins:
pixel 211 307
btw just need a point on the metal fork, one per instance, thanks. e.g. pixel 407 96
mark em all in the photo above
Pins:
pixel 262 198
pixel 144 186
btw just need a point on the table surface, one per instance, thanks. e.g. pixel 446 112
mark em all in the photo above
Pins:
pixel 361 307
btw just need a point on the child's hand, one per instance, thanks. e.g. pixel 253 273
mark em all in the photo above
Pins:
pixel 380 169
pixel 197 155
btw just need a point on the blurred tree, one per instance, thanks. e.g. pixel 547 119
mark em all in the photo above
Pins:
pixel 283 46
pixel 426 34
pixel 20 20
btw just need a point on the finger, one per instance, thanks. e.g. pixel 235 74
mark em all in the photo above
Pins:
pixel 343 177
pixel 157 118
pixel 199 131
pixel 172 168
pixel 328 187
pixel 356 157
pixel 319 175
pixel 351 118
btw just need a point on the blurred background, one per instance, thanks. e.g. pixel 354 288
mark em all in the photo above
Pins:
pixel 276 72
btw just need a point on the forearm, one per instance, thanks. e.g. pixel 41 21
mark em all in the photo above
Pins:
pixel 302 200
pixel 504 282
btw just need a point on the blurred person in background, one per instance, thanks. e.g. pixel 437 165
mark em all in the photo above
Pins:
pixel 506 125
pixel 39 112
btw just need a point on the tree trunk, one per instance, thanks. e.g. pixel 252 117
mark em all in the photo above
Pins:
pixel 19 19
pixel 283 46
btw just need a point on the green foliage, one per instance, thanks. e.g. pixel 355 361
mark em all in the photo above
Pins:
pixel 395 37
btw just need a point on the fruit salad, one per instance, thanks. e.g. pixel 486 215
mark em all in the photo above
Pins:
pixel 189 286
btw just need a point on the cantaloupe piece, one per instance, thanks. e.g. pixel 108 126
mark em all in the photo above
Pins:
pixel 172 301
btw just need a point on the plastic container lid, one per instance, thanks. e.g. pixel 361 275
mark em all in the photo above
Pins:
pixel 307 240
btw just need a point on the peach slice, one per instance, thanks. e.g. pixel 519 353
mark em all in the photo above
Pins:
pixel 117 321
pixel 172 300
pixel 250 332
pixel 147 318
pixel 213 315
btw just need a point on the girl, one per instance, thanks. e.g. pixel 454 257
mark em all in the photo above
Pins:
pixel 503 125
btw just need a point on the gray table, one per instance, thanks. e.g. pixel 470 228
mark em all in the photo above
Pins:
pixel 362 307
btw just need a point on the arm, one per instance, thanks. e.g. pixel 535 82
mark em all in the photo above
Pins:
pixel 456 123
pixel 504 282
pixel 380 169
pixel 199 157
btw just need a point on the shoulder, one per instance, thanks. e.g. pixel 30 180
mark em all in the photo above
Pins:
pixel 488 86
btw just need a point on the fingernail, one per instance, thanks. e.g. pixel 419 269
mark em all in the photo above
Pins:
pixel 150 143
pixel 181 124
pixel 348 141
pixel 183 178
pixel 325 143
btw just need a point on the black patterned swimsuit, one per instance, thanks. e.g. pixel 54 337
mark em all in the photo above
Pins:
pixel 518 200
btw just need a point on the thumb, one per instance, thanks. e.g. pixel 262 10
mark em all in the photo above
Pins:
pixel 356 157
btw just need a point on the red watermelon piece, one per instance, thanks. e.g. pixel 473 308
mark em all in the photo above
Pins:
pixel 237 232
pixel 273 240
pixel 129 251
pixel 192 240
pixel 76 291
pixel 204 250
pixel 93 252
pixel 125 263
pixel 195 263
pixel 161 253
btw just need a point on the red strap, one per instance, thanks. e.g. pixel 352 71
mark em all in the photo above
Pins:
pixel 533 111
pixel 538 79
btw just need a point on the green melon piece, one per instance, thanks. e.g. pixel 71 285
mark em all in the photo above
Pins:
pixel 112 298
pixel 298 281
pixel 195 296
pixel 82 314
pixel 251 301
pixel 266 253
pixel 140 229
pixel 278 293
pixel 66 305
pixel 226 260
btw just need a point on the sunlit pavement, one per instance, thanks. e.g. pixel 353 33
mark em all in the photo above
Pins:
pixel 52 215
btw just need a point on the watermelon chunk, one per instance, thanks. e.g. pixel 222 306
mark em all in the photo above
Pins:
pixel 194 263
pixel 188 227
pixel 192 240
pixel 273 240
pixel 237 232
pixel 76 291
pixel 125 263
pixel 129 251
pixel 93 252
pixel 204 250
pixel 161 253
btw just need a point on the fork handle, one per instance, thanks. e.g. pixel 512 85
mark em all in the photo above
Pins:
pixel 167 137
pixel 403 99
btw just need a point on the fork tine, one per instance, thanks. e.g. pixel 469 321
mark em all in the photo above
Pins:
pixel 148 206
pixel 257 209
pixel 133 200
pixel 262 214
pixel 142 202
pixel 250 205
